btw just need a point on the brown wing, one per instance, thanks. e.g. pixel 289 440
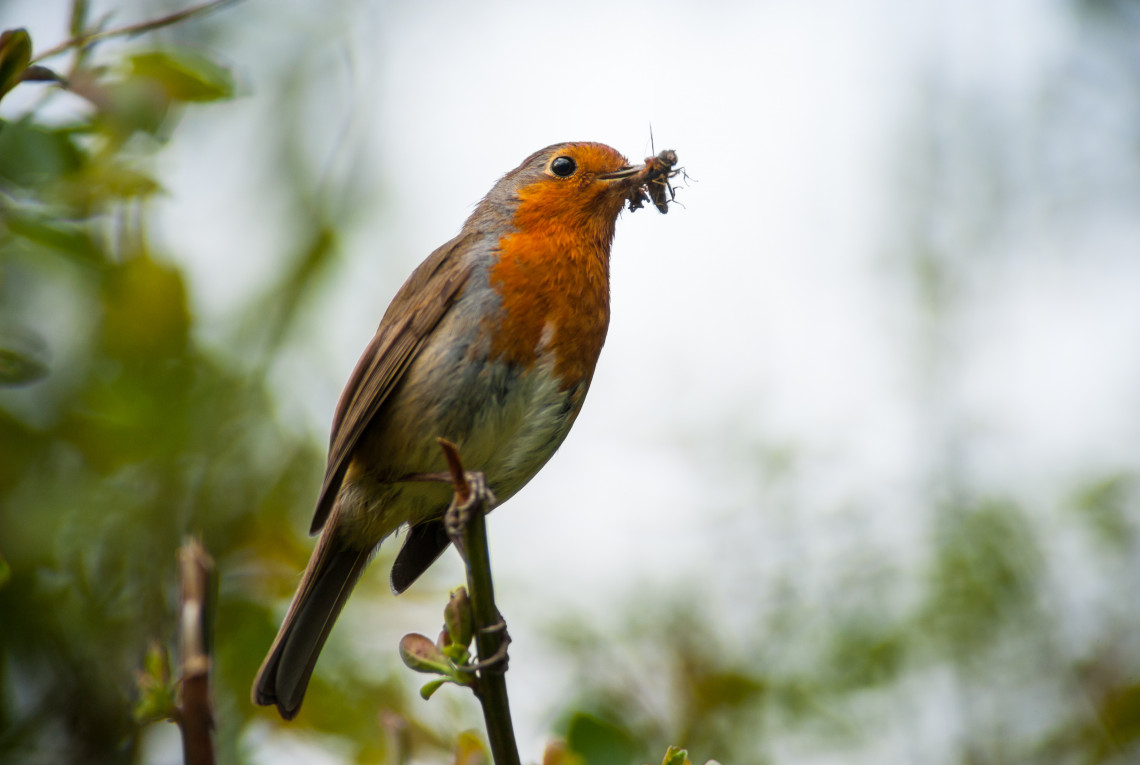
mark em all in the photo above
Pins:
pixel 412 315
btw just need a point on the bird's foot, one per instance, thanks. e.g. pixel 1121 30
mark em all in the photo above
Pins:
pixel 459 513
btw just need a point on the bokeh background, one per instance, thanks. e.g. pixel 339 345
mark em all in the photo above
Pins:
pixel 857 479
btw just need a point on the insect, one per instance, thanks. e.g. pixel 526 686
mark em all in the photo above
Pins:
pixel 660 169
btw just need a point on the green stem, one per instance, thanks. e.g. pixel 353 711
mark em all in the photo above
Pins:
pixel 490 631
pixel 489 634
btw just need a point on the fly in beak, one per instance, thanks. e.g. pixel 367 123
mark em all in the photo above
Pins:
pixel 650 178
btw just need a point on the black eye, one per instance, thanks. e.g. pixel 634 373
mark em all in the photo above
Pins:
pixel 563 167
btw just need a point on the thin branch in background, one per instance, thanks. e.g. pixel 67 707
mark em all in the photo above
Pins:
pixel 132 29
pixel 195 717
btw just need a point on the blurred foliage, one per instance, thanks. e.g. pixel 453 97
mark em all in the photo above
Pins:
pixel 985 632
pixel 158 696
pixel 121 432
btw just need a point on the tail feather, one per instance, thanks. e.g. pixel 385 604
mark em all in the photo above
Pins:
pixel 424 544
pixel 329 578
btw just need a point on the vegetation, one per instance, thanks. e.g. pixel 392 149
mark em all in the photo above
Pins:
pixel 123 431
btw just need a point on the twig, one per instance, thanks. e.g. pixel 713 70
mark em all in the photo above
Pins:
pixel 455 467
pixel 132 29
pixel 195 717
pixel 468 529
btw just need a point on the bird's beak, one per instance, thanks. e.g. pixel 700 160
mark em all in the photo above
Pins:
pixel 625 172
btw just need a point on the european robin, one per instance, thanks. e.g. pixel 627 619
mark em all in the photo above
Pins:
pixel 491 344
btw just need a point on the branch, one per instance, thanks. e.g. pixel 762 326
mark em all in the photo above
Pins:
pixel 195 717
pixel 132 29
pixel 467 527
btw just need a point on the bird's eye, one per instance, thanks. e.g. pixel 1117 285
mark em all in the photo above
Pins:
pixel 563 167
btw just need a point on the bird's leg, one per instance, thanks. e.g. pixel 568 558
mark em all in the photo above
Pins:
pixel 471 491
pixel 459 512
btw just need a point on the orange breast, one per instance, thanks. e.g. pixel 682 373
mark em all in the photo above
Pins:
pixel 552 275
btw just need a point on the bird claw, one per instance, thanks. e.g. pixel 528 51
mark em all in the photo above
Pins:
pixel 459 513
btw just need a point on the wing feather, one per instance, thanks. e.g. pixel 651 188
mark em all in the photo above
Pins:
pixel 415 311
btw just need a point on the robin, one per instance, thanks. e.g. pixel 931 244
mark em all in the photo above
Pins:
pixel 491 343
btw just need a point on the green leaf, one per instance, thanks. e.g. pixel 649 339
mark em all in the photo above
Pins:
pixel 458 619
pixel 21 356
pixel 79 10
pixel 105 181
pixel 676 756
pixel 429 689
pixel 469 750
pixel 15 55
pixel 1104 505
pixel 422 655
pixel 157 695
pixel 146 317
pixel 133 105
pixel 981 576
pixel 31 155
pixel 1119 713
pixel 600 742
pixel 156 663
pixel 48 231
pixel 124 182
pixel 557 753
pixel 185 75
pixel 457 653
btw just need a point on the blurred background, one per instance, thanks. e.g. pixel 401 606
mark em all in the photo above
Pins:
pixel 857 478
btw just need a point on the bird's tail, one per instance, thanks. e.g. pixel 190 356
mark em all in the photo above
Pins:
pixel 329 578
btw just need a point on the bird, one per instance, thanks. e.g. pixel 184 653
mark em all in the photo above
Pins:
pixel 491 343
